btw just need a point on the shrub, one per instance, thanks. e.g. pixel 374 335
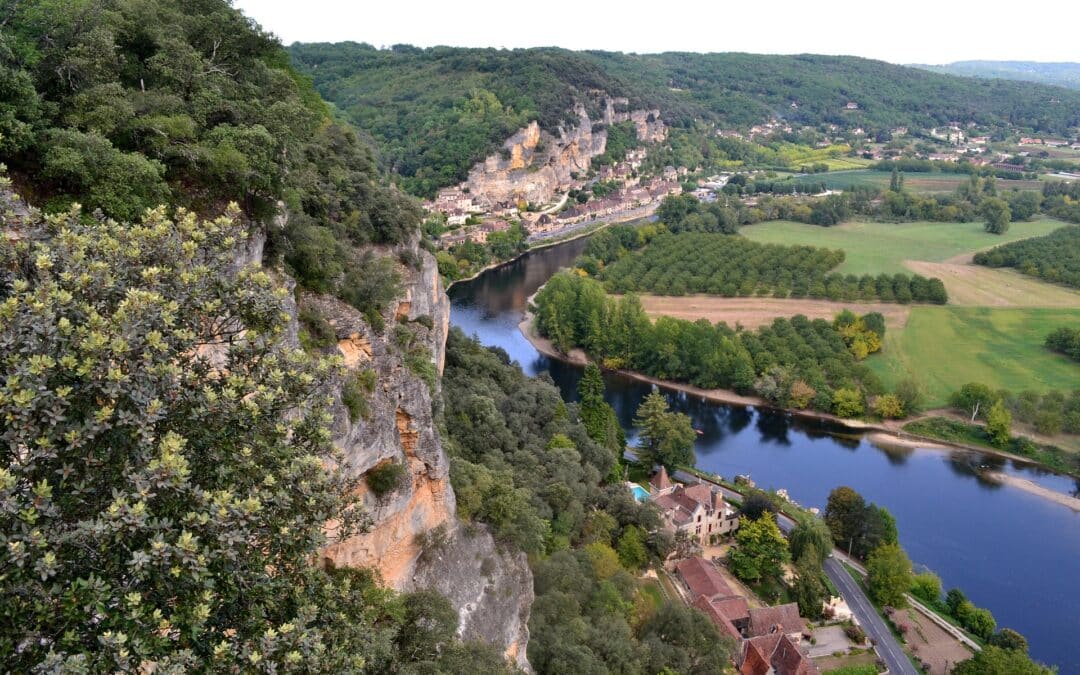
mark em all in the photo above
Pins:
pixel 315 331
pixel 354 393
pixel 385 478
pixel 855 634
pixel 848 403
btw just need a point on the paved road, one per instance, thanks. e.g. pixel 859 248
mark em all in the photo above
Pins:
pixel 887 646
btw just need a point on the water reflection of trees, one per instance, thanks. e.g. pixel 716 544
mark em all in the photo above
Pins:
pixel 897 455
pixel 773 427
pixel 976 465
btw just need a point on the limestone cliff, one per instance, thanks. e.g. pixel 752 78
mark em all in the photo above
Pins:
pixel 534 164
pixel 491 589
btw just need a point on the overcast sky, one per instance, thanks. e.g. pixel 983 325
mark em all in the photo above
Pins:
pixel 904 31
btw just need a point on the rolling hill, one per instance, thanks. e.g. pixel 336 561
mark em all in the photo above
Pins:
pixel 433 112
pixel 1058 74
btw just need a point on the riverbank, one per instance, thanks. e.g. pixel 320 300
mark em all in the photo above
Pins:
pixel 876 433
pixel 1034 488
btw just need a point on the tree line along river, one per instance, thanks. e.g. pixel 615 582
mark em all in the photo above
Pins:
pixel 1010 551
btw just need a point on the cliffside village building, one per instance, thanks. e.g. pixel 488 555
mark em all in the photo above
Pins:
pixel 459 206
pixel 769 638
pixel 699 510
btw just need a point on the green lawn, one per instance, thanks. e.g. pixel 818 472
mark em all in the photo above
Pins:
pixel 946 347
pixel 873 248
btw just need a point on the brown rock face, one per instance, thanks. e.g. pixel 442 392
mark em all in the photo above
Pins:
pixel 493 603
pixel 534 165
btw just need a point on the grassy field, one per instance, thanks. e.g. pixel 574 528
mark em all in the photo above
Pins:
pixel 916 182
pixel 946 347
pixel 873 248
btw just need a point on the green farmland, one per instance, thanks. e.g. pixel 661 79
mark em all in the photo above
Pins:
pixel 1003 348
pixel 873 248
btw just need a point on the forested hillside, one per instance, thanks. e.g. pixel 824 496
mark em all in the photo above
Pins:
pixel 1059 74
pixel 469 99
pixel 124 105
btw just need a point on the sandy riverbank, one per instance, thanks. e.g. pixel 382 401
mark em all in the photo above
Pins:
pixel 1034 488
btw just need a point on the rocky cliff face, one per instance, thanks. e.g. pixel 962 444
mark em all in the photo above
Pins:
pixel 534 165
pixel 416 540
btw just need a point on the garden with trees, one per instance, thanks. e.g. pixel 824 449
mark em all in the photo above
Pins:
pixel 791 363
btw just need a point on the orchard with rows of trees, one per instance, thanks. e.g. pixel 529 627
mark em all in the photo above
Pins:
pixel 678 264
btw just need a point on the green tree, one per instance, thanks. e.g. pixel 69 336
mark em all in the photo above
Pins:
pixel 927 587
pixel 666 437
pixel 848 403
pixel 165 479
pixel 681 639
pixel 911 396
pixel 973 398
pixel 888 575
pixel 999 424
pixel 631 548
pixel 760 550
pixel 1007 638
pixel 429 622
pixel 888 406
pixel 810 535
pixel 997 214
pixel 599 418
pixel 981 623
pixel 758 503
pixel 997 661
pixel 844 513
pixel 809 589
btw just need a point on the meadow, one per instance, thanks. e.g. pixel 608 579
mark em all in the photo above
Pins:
pixel 1003 348
pixel 873 248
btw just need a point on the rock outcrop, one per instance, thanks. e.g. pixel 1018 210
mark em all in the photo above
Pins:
pixel 534 164
pixel 492 591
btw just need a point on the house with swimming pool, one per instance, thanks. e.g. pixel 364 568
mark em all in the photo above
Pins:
pixel 699 510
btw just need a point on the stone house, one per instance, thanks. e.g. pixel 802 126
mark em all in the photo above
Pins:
pixel 699 510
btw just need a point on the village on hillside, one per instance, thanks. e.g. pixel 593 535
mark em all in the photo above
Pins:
pixel 529 193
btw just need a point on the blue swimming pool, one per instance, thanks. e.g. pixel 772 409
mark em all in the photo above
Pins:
pixel 640 493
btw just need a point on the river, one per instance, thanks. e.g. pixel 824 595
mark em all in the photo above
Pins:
pixel 1010 551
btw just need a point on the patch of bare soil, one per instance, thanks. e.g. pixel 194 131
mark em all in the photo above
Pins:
pixel 936 649
pixel 756 312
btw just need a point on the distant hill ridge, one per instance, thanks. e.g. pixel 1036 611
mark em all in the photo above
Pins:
pixel 434 112
pixel 1061 74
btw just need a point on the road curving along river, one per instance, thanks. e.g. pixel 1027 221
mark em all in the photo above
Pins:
pixel 1009 550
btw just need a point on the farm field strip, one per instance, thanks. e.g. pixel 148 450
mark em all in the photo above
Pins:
pixel 756 312
pixel 1003 348
pixel 873 248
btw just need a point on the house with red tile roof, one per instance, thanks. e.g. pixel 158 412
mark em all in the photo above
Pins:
pixel 699 509
pixel 781 618
pixel 774 653
pixel 769 636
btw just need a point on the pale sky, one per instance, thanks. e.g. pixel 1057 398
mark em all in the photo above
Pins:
pixel 903 31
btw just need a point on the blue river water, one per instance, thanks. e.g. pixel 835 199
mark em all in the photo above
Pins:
pixel 1010 551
